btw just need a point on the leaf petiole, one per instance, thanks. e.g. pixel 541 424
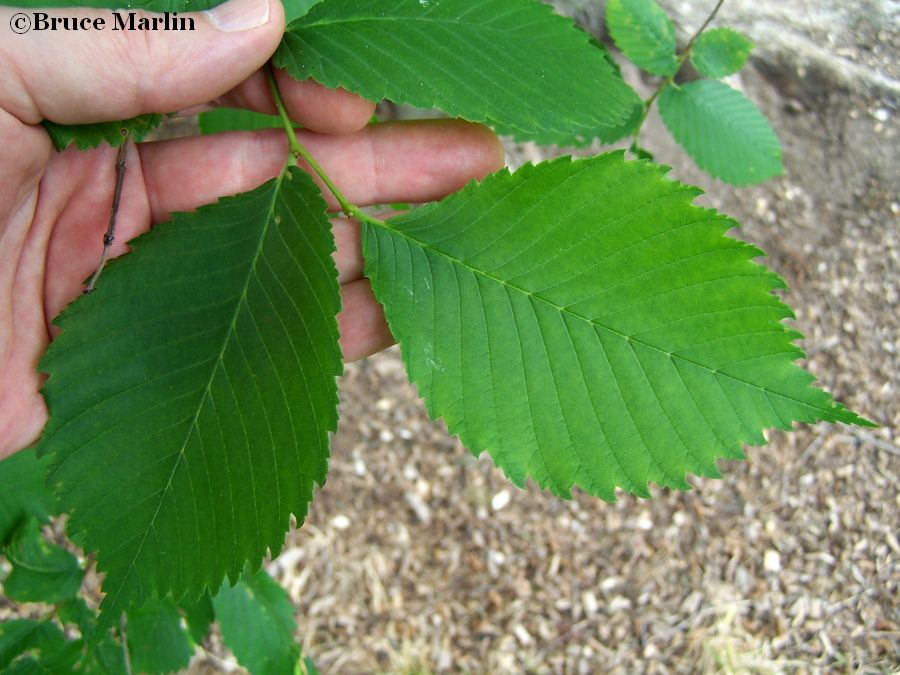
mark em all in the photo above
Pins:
pixel 298 151
pixel 703 27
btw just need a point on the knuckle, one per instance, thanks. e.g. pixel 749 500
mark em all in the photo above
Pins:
pixel 145 56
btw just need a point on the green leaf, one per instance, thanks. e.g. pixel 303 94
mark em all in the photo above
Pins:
pixel 24 636
pixel 231 119
pixel 721 52
pixel 105 658
pixel 608 134
pixel 587 325
pixel 645 34
pixel 513 64
pixel 41 572
pixel 156 641
pixel 257 620
pixel 103 654
pixel 193 393
pixel 613 134
pixel 294 9
pixel 76 611
pixel 147 5
pixel 60 659
pixel 310 666
pixel 25 493
pixel 87 136
pixel 199 616
pixel 640 152
pixel 723 131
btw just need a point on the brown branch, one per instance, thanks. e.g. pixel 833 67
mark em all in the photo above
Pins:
pixel 709 19
pixel 669 80
pixel 110 235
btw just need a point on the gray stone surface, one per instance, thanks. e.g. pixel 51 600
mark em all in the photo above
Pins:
pixel 826 73
pixel 853 43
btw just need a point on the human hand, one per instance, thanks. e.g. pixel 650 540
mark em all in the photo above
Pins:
pixel 54 207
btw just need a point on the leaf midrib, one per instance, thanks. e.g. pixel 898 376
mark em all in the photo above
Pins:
pixel 664 47
pixel 453 260
pixel 415 19
pixel 714 111
pixel 269 219
pixel 18 562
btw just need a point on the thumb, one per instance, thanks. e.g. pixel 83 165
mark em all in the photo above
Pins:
pixel 76 66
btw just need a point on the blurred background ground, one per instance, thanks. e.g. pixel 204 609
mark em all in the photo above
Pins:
pixel 419 558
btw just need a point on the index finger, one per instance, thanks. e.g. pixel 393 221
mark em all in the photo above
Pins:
pixel 309 104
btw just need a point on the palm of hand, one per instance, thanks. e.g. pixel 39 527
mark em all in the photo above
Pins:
pixel 54 210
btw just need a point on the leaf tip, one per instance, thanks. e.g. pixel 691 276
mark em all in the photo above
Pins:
pixel 843 414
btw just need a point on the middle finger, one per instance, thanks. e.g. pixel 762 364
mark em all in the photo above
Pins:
pixel 415 161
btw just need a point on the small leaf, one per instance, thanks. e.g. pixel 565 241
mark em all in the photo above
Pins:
pixel 87 136
pixel 192 395
pixel 76 611
pixel 24 636
pixel 156 640
pixel 199 616
pixel 645 34
pixel 587 325
pixel 257 620
pixel 294 9
pixel 231 119
pixel 41 572
pixel 104 655
pixel 513 64
pixel 60 658
pixel 25 493
pixel 721 52
pixel 723 131
pixel 105 658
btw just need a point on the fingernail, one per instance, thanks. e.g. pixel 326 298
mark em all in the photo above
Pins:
pixel 236 15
